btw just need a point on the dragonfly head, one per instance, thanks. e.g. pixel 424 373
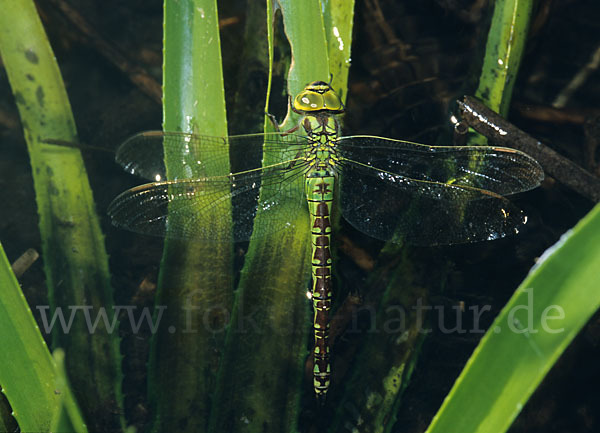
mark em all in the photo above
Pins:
pixel 318 96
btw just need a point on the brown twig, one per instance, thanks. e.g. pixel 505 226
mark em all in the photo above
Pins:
pixel 591 129
pixel 358 255
pixel 485 121
pixel 24 262
pixel 578 80
pixel 550 115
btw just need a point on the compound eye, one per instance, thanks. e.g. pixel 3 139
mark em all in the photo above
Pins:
pixel 332 101
pixel 308 101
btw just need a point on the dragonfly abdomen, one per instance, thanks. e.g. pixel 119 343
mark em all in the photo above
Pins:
pixel 319 193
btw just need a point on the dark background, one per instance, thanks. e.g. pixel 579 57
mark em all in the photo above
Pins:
pixel 410 61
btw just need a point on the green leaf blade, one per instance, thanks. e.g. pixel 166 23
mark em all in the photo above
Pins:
pixel 195 278
pixel 27 385
pixel 305 30
pixel 503 53
pixel 544 315
pixel 338 19
pixel 75 259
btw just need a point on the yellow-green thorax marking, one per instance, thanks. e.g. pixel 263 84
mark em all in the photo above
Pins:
pixel 318 103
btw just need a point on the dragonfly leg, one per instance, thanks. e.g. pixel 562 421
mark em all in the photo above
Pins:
pixel 276 125
pixel 273 121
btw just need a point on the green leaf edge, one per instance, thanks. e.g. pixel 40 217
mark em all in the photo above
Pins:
pixel 506 367
pixel 193 101
pixel 503 53
pixel 28 385
pixel 72 242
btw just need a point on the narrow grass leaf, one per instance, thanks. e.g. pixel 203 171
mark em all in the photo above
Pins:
pixel 27 371
pixel 546 312
pixel 75 260
pixel 195 288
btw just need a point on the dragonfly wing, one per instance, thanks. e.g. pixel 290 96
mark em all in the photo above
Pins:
pixel 183 209
pixel 396 208
pixel 500 170
pixel 142 155
pixel 199 155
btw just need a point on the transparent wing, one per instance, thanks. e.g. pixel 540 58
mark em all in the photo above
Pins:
pixel 183 209
pixel 397 208
pixel 501 170
pixel 200 156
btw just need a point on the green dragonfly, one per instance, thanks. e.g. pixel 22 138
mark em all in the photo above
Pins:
pixel 392 190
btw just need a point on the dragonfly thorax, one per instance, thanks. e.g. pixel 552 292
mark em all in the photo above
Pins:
pixel 322 130
pixel 319 104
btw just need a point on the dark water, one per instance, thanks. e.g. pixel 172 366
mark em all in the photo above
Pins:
pixel 400 87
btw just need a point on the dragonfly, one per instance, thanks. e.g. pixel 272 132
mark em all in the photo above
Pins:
pixel 389 189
